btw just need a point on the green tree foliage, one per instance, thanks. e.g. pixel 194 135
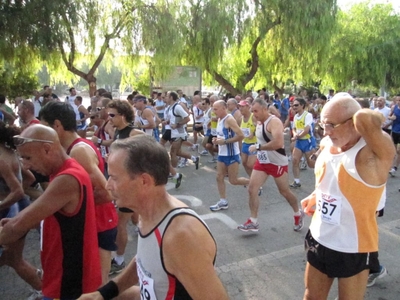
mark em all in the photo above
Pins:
pixel 16 82
pixel 365 48
pixel 128 27
pixel 286 35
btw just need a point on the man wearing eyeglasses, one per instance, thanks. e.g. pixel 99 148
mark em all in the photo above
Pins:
pixel 121 117
pixel 351 173
pixel 69 255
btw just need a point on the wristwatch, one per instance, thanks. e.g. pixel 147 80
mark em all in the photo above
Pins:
pixel 258 147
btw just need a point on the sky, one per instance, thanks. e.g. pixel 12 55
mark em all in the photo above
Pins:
pixel 344 3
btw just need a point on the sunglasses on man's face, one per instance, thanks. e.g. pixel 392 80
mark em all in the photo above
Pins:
pixel 20 140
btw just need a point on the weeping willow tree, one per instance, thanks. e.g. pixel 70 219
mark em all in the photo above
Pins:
pixel 365 48
pixel 128 28
pixel 278 34
pixel 26 29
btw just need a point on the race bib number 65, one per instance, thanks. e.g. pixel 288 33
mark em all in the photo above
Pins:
pixel 262 157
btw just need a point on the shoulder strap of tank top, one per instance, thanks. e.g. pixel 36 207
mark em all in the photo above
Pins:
pixel 266 138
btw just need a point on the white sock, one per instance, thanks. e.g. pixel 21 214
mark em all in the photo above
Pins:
pixel 253 220
pixel 176 176
pixel 298 213
pixel 223 200
pixel 297 180
pixel 119 259
pixel 194 158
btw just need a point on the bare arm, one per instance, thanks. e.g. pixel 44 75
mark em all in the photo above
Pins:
pixel 189 252
pixel 88 160
pixel 368 124
pixel 16 190
pixel 62 194
pixel 83 110
pixel 149 116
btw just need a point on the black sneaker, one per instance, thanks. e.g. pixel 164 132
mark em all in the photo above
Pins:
pixel 178 181
pixel 116 268
pixel 295 184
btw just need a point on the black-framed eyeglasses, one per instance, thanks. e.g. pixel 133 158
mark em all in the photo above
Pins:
pixel 20 140
pixel 325 126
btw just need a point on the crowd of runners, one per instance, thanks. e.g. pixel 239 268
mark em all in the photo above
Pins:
pixel 121 165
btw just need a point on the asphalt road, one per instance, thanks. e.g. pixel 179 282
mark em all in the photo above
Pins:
pixel 265 265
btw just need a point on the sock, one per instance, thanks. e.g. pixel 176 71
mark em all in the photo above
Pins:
pixel 297 180
pixel 176 176
pixel 223 200
pixel 253 220
pixel 119 259
pixel 194 158
pixel 297 213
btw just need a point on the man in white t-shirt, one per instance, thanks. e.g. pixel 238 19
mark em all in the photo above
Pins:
pixel 71 101
pixel 384 110
pixel 178 117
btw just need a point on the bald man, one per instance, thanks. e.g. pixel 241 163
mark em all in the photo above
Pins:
pixel 351 174
pixel 69 254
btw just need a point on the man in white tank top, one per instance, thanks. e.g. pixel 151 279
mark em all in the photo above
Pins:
pixel 271 160
pixel 146 119
pixel 228 136
pixel 351 173
pixel 176 251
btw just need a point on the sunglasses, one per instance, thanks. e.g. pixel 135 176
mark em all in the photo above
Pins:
pixel 19 140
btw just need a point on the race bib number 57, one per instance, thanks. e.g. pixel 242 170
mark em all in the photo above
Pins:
pixel 330 207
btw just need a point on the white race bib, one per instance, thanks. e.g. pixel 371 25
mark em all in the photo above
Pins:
pixel 214 131
pixel 146 285
pixel 330 208
pixel 262 157
pixel 246 132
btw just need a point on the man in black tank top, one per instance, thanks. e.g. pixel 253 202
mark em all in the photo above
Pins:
pixel 121 117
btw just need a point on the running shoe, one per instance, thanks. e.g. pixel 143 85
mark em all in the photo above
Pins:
pixel 213 160
pixel 183 163
pixel 221 204
pixel 249 226
pixel 194 147
pixel 35 295
pixel 116 268
pixel 204 152
pixel 303 164
pixel 298 221
pixel 295 184
pixel 178 180
pixel 374 276
pixel 392 172
pixel 260 191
